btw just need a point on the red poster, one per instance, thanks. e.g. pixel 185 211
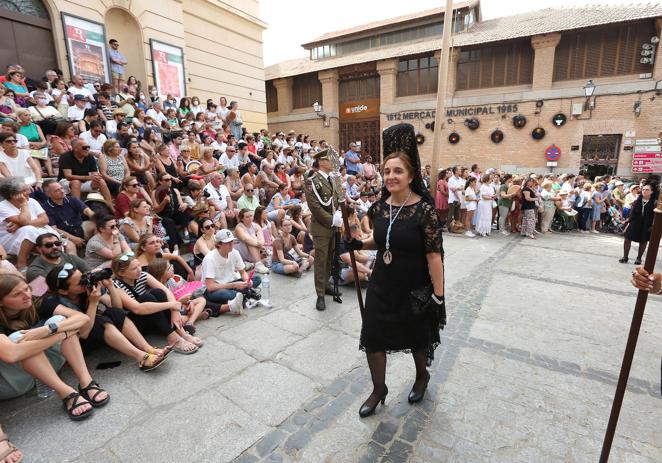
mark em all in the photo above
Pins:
pixel 76 33
pixel 168 79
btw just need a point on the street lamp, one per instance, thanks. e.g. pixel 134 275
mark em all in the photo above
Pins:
pixel 589 88
pixel 317 107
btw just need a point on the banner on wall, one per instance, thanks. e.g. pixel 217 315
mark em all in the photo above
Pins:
pixel 168 67
pixel 86 48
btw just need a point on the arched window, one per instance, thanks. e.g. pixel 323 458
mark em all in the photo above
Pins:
pixel 27 7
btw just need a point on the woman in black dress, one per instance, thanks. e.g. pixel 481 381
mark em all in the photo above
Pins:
pixel 640 223
pixel 408 239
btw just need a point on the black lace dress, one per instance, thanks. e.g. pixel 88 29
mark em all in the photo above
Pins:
pixel 388 324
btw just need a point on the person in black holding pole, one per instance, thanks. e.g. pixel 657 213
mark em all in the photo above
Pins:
pixel 405 306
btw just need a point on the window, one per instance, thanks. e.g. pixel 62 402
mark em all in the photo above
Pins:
pixel 495 66
pixel 29 7
pixel 604 52
pixel 358 89
pixel 272 97
pixel 306 90
pixel 417 76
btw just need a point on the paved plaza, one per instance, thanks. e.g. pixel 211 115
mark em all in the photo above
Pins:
pixel 526 373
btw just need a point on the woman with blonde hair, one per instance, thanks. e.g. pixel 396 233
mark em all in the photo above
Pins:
pixel 208 163
pixel 32 352
pixel 112 166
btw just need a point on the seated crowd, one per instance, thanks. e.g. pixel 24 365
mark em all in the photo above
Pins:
pixel 105 196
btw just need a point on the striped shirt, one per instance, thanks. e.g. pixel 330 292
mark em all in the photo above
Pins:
pixel 138 289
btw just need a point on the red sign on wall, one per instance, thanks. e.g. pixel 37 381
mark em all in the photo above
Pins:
pixel 553 153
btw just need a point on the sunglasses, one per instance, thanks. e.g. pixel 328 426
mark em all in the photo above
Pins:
pixel 64 273
pixel 51 244
pixel 127 256
pixel 249 191
pixel 209 227
pixel 112 227
pixel 134 184
pixel 85 148
pixel 167 179
pixel 10 140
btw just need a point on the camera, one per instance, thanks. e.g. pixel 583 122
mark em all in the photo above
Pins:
pixel 206 193
pixel 90 279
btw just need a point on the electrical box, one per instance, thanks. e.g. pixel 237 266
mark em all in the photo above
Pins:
pixel 577 109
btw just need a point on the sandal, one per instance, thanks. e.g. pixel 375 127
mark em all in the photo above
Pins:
pixel 160 352
pixel 637 261
pixel 93 386
pixel 150 362
pixel 75 403
pixel 623 260
pixel 184 347
pixel 11 448
pixel 193 340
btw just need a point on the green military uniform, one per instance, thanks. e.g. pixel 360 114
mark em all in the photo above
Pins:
pixel 323 200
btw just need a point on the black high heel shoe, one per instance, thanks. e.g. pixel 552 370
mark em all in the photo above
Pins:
pixel 414 396
pixel 367 410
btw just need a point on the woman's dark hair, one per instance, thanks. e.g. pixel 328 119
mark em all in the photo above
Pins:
pixel 258 214
pixel 470 180
pixel 89 112
pixel 201 222
pixel 184 100
pixel 61 128
pixel 242 213
pixel 54 282
pixel 474 167
pixel 295 212
pixel 103 220
pixel 148 134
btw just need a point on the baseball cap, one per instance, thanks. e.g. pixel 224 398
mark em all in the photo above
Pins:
pixel 79 97
pixel 224 236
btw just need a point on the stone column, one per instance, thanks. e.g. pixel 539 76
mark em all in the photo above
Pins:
pixel 657 68
pixel 329 81
pixel 388 80
pixel 544 47
pixel 284 92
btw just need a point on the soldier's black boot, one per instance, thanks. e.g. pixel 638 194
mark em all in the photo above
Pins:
pixel 320 305
pixel 331 292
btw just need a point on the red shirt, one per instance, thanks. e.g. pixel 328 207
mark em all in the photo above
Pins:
pixel 123 204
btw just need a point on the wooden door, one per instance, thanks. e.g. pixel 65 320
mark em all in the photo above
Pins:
pixel 367 132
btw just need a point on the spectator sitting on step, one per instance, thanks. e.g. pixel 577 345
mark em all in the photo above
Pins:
pixel 22 220
pixel 219 197
pixel 79 172
pixel 41 358
pixel 50 246
pixel 250 241
pixel 18 163
pixel 66 213
pixel 284 243
pixel 107 243
pixel 95 137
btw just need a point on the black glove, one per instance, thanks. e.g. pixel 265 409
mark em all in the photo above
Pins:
pixel 354 245
pixel 438 308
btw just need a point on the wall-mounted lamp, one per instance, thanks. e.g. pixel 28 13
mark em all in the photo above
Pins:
pixel 589 89
pixel 317 107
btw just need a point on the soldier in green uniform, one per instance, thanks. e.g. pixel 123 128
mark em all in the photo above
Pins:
pixel 323 201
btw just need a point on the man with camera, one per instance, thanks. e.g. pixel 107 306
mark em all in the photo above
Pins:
pixel 49 246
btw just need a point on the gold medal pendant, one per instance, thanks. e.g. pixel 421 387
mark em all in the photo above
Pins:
pixel 387 257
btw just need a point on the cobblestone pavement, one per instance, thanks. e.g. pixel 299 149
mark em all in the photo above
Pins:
pixel 526 372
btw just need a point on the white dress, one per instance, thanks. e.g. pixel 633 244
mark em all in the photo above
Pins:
pixel 484 211
pixel 12 241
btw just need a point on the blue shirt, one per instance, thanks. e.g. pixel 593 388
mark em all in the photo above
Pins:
pixel 116 55
pixel 70 213
pixel 352 161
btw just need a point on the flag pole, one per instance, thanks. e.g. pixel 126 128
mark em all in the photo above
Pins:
pixel 442 88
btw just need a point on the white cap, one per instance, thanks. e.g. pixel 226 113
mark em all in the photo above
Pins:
pixel 224 236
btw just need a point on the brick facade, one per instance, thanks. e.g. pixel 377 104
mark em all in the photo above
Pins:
pixel 611 112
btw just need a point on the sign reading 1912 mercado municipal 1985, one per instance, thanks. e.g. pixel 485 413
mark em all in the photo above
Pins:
pixel 454 112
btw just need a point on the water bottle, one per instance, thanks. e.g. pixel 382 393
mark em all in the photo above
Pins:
pixel 264 292
pixel 43 390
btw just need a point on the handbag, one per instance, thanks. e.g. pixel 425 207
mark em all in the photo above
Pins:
pixel 419 300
